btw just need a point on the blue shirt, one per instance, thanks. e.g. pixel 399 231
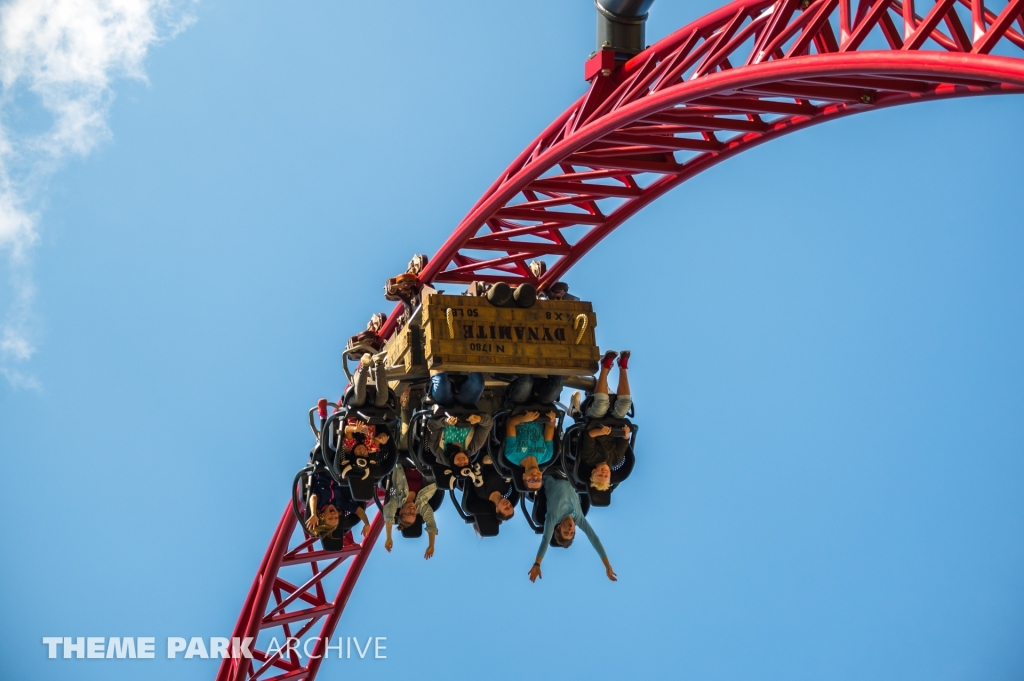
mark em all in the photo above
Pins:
pixel 563 501
pixel 529 441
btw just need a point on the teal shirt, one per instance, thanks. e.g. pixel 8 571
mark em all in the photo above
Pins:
pixel 457 435
pixel 529 441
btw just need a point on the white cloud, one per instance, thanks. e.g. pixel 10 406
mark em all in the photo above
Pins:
pixel 61 56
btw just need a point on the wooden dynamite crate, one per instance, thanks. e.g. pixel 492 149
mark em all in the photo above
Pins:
pixel 536 340
pixel 405 349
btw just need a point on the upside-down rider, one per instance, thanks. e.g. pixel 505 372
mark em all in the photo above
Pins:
pixel 454 440
pixel 360 439
pixel 564 515
pixel 408 501
pixel 492 488
pixel 333 511
pixel 529 443
pixel 599 448
pixel 407 288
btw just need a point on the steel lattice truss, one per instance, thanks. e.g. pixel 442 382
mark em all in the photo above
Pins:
pixel 742 75
pixel 277 608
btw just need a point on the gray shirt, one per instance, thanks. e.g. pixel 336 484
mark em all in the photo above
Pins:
pixel 400 492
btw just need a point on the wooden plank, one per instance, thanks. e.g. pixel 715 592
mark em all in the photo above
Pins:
pixel 541 339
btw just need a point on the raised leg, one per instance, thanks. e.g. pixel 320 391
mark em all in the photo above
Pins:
pixel 623 387
pixel 520 389
pixel 359 382
pixel 441 389
pixel 602 381
pixel 471 391
pixel 380 379
pixel 549 390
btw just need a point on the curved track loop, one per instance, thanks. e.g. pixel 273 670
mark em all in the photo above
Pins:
pixel 742 75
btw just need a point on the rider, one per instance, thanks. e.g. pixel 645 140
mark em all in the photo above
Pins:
pixel 406 287
pixel 332 511
pixel 598 447
pixel 454 441
pixel 564 514
pixel 360 438
pixel 409 500
pixel 493 488
pixel 529 444
pixel 369 337
pixel 559 291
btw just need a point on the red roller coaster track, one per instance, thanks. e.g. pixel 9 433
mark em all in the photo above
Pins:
pixel 746 73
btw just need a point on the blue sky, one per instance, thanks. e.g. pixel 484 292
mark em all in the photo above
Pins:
pixel 826 334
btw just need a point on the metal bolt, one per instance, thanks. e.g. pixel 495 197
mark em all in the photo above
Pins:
pixel 867 97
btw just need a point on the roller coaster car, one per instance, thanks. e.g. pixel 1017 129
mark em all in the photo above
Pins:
pixel 467 333
pixel 361 473
pixel 579 471
pixel 535 515
pixel 497 444
pixel 416 529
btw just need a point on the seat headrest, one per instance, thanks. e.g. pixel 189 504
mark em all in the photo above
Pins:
pixel 362 490
pixel 486 524
pixel 415 530
pixel 600 498
pixel 333 543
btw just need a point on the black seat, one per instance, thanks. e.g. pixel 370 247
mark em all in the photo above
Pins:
pixel 579 471
pixel 361 474
pixel 487 525
pixel 481 511
pixel 420 432
pixel 581 474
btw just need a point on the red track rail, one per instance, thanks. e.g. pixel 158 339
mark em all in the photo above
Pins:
pixel 744 74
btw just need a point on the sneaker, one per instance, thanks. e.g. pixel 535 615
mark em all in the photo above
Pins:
pixel 624 359
pixel 417 263
pixel 574 404
pixel 609 359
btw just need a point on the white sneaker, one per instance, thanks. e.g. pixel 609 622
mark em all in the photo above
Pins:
pixel 574 404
